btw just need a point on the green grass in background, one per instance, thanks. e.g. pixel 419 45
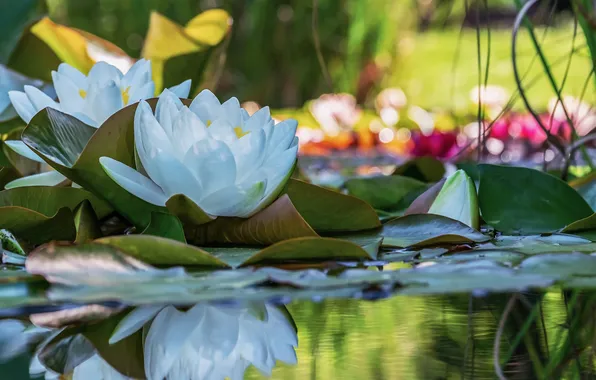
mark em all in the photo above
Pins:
pixel 426 71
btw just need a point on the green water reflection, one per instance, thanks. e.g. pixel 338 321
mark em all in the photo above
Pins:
pixel 430 337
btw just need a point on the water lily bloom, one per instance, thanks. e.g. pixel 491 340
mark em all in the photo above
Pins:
pixel 227 162
pixel 458 200
pixel 211 341
pixel 91 99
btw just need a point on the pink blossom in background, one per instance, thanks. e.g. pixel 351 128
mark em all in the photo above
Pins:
pixel 437 144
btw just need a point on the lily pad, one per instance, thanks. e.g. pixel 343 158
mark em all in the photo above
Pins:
pixel 187 210
pixel 584 224
pixel 279 221
pixel 73 148
pixel 86 223
pixel 427 169
pixel 165 225
pixel 310 248
pixel 427 229
pixel 40 214
pixel 329 211
pixel 383 192
pixel 560 265
pixel 161 251
pixel 524 201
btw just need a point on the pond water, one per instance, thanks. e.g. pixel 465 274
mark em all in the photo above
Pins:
pixel 406 337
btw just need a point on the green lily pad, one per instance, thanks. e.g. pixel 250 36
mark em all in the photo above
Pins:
pixel 166 226
pixel 427 229
pixel 524 201
pixel 560 265
pixel 383 192
pixel 329 211
pixel 279 221
pixel 86 223
pixel 92 264
pixel 584 224
pixel 40 214
pixel 22 13
pixel 537 244
pixel 74 148
pixel 310 248
pixel 427 169
pixel 161 251
pixel 187 210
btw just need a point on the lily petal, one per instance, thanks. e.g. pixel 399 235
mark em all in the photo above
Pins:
pixel 145 91
pixel 182 90
pixel 282 136
pixel 213 162
pixel 133 181
pixel 103 102
pixel 102 73
pixel 78 78
pixel 258 120
pixel 159 158
pixel 206 106
pixel 39 99
pixel 21 103
pixel 187 129
pixel 249 153
pixel 168 106
pixel 68 93
pixel 21 148
pixel 51 178
pixel 134 321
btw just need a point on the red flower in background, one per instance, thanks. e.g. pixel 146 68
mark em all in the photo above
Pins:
pixel 437 144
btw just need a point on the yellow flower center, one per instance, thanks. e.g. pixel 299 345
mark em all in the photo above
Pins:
pixel 83 93
pixel 125 96
pixel 240 132
pixel 209 122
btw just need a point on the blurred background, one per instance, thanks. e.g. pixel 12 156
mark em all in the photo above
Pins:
pixel 391 78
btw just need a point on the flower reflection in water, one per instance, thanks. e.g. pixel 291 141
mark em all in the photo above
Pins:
pixel 204 342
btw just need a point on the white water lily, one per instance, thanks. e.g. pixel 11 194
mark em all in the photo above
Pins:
pixel 227 162
pixel 458 200
pixel 92 99
pixel 211 342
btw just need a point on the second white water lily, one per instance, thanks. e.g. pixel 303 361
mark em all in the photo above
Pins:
pixel 227 162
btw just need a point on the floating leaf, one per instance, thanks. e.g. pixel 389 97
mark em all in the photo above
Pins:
pixel 310 248
pixel 279 221
pixel 560 265
pixel 427 169
pixel 584 224
pixel 165 225
pixel 426 229
pixel 187 210
pixel 92 264
pixel 161 251
pixel 74 149
pixel 40 214
pixel 523 201
pixel 86 223
pixel 329 211
pixel 383 192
